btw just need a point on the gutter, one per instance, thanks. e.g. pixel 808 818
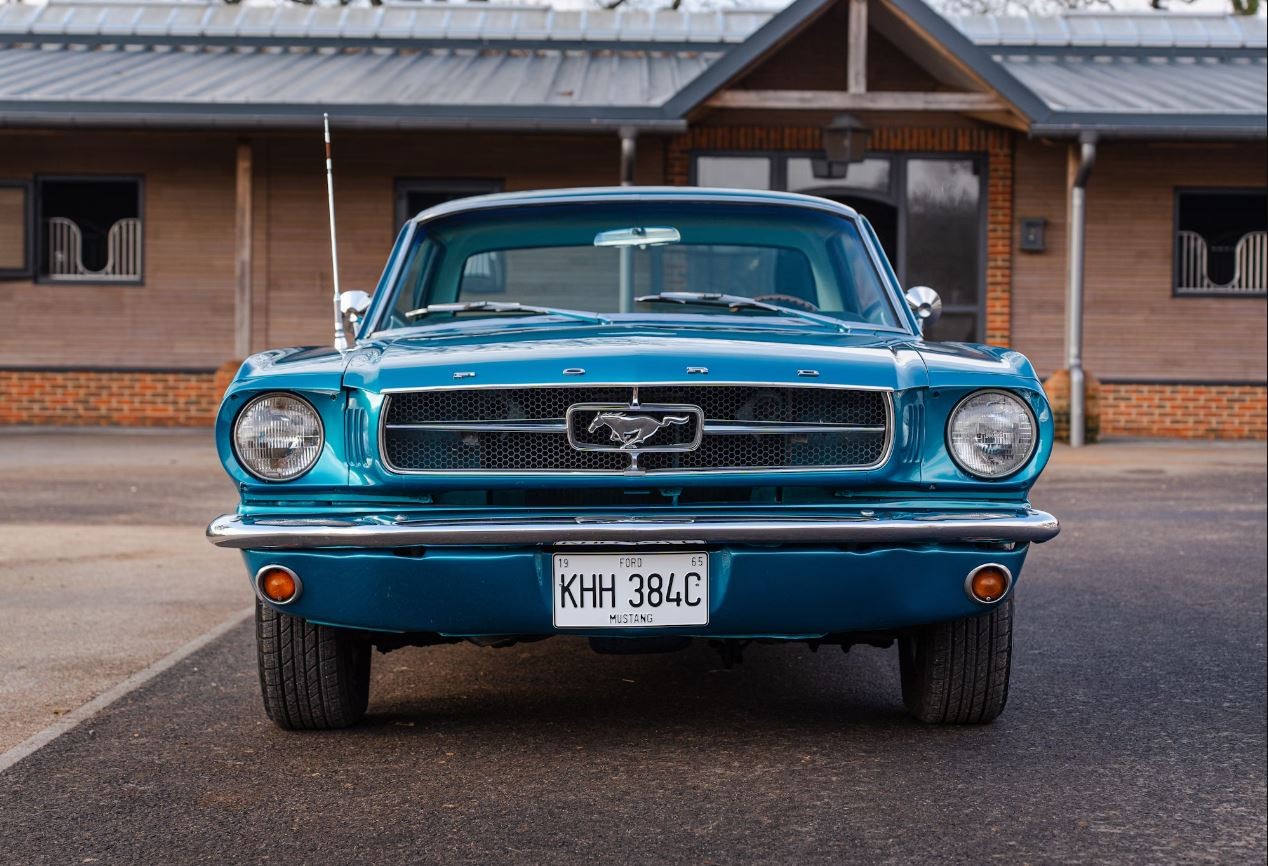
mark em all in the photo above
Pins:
pixel 381 119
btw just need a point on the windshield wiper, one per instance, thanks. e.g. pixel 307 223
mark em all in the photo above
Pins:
pixel 739 302
pixel 506 307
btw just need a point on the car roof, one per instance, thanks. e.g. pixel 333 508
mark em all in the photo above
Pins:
pixel 609 194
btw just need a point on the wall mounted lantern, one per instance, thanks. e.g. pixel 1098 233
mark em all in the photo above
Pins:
pixel 845 140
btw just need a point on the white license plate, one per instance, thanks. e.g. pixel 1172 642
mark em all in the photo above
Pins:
pixel 630 590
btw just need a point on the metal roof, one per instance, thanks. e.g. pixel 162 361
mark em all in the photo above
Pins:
pixel 483 22
pixel 514 67
pixel 1135 75
pixel 151 64
pixel 1166 96
pixel 1116 31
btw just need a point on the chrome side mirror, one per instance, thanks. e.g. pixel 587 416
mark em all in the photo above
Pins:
pixel 926 304
pixel 352 306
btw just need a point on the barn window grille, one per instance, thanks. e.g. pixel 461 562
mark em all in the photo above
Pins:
pixel 90 229
pixel 1221 243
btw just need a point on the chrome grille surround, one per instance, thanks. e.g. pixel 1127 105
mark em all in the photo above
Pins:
pixel 417 427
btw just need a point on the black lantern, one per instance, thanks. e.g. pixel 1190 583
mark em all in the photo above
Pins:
pixel 845 140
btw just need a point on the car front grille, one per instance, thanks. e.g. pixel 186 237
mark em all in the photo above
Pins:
pixel 713 428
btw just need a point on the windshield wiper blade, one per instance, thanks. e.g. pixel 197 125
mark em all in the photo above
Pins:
pixel 739 302
pixel 507 307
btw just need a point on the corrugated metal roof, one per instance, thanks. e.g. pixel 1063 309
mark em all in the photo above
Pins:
pixel 388 66
pixel 1116 30
pixel 454 65
pixel 1160 74
pixel 1150 85
pixel 418 22
pixel 387 77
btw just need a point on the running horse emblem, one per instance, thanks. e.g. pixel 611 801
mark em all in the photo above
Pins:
pixel 633 430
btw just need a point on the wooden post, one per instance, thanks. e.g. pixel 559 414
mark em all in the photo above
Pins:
pixel 242 253
pixel 856 48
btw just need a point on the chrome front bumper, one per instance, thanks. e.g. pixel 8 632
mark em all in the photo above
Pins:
pixel 297 533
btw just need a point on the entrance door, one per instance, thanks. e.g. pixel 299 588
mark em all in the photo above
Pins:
pixel 927 211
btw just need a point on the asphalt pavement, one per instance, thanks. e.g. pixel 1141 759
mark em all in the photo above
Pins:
pixel 1135 730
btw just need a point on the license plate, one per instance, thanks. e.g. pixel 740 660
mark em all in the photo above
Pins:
pixel 630 590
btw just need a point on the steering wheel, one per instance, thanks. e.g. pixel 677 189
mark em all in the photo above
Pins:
pixel 788 301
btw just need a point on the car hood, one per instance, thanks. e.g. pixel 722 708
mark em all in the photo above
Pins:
pixel 638 355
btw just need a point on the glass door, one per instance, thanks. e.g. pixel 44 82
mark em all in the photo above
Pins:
pixel 928 212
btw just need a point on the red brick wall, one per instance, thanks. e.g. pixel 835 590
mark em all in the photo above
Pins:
pixel 995 143
pixel 99 398
pixel 1184 410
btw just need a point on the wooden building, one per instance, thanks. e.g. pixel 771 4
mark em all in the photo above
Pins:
pixel 162 206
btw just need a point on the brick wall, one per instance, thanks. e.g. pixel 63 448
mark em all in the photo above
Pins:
pixel 1184 410
pixel 98 398
pixel 995 143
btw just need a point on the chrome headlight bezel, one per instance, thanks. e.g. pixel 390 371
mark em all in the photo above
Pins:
pixel 316 447
pixel 1012 469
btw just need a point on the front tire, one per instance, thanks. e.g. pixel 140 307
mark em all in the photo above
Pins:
pixel 956 673
pixel 312 677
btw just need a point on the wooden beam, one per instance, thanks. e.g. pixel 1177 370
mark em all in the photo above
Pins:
pixel 836 100
pixel 856 48
pixel 242 253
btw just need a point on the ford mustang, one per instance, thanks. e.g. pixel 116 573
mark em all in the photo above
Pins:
pixel 641 417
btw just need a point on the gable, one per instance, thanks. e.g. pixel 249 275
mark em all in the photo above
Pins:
pixel 817 59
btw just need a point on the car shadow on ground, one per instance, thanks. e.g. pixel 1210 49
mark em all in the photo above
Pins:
pixel 562 684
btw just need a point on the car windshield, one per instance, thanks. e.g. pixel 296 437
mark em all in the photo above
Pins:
pixel 642 259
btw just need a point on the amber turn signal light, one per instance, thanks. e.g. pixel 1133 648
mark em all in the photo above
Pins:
pixel 278 584
pixel 988 583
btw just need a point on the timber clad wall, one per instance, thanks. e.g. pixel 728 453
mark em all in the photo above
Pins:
pixel 183 314
pixel 1134 328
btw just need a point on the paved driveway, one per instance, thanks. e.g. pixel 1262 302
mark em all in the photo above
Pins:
pixel 1135 730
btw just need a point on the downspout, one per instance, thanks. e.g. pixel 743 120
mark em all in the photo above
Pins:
pixel 629 153
pixel 1074 289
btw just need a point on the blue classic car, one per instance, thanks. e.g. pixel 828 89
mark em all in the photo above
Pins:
pixel 639 416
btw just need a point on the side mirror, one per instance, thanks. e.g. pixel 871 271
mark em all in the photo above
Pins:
pixel 352 306
pixel 926 304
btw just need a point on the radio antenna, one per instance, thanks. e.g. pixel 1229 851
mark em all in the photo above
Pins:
pixel 341 340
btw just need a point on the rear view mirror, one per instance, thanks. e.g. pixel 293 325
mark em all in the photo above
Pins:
pixel 638 236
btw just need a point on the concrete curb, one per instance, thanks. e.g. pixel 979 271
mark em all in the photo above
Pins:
pixel 71 720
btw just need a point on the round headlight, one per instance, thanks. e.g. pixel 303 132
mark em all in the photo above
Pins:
pixel 277 437
pixel 991 434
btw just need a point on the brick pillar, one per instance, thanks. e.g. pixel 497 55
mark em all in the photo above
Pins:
pixel 999 239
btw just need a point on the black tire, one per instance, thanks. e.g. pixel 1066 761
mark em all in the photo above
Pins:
pixel 312 677
pixel 956 673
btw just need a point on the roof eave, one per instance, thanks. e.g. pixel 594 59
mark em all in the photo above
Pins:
pixel 1153 126
pixel 365 117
